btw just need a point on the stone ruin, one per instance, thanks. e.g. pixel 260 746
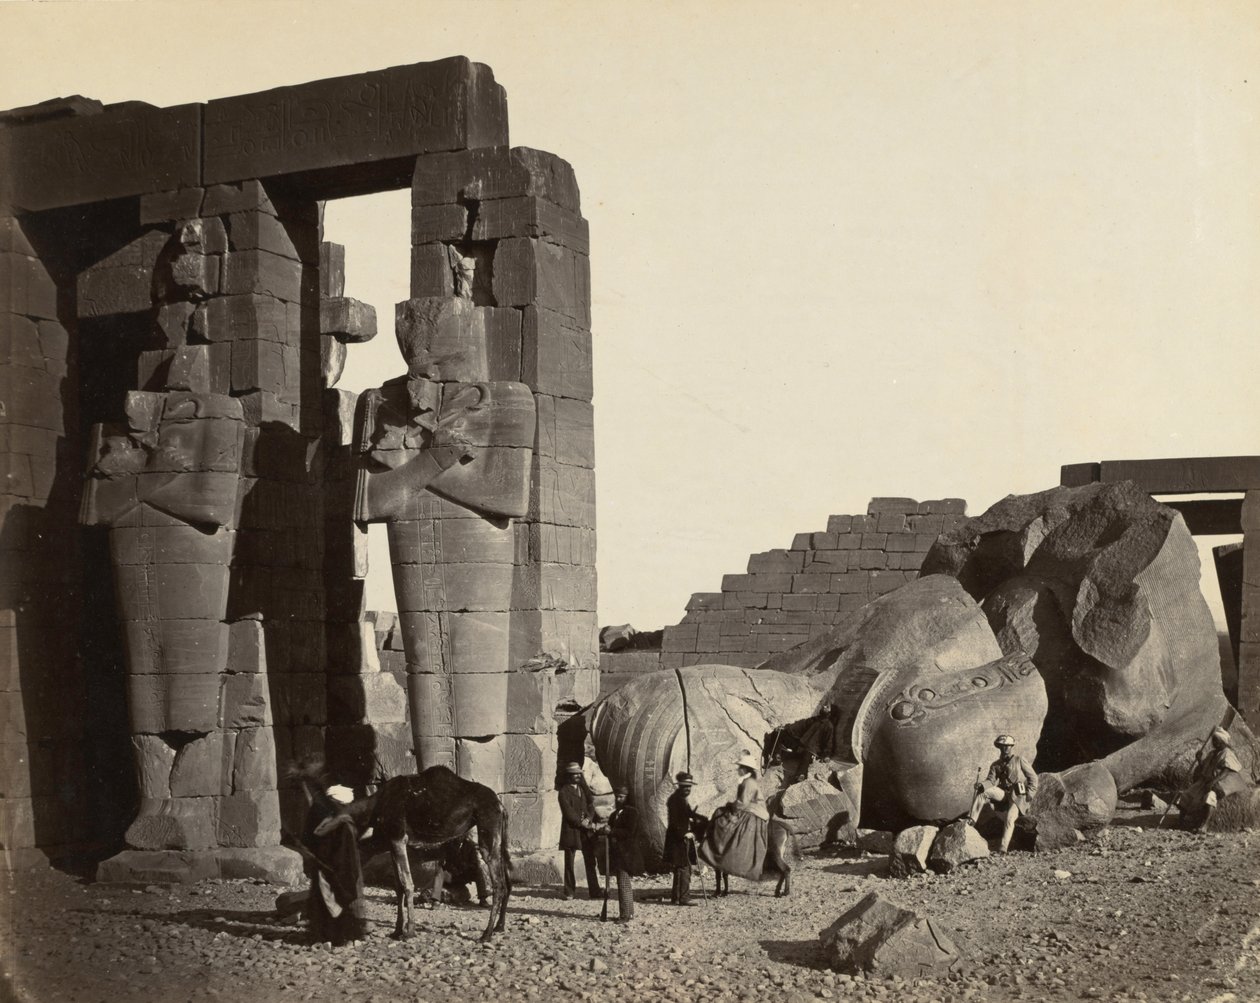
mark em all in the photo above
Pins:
pixel 175 329
pixel 1071 619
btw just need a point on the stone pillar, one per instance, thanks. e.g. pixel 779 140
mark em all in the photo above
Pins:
pixel 494 560
pixel 42 695
pixel 220 573
pixel 1249 625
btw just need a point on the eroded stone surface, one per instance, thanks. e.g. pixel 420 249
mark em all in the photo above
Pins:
pixel 878 937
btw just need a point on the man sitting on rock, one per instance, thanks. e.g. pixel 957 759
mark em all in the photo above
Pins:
pixel 1009 787
pixel 1217 775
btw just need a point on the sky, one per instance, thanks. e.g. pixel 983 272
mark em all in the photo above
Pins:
pixel 838 250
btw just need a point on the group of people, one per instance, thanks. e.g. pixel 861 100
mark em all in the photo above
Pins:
pixel 732 841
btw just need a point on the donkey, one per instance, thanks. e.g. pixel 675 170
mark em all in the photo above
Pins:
pixel 780 854
pixel 432 812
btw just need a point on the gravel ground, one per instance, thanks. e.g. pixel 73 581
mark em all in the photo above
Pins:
pixel 1132 914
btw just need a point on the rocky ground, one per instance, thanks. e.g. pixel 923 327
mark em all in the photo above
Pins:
pixel 1132 914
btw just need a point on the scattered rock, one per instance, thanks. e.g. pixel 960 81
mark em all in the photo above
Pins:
pixel 910 850
pixel 877 936
pixel 817 813
pixel 956 844
pixel 1062 875
pixel 1083 797
pixel 616 638
pixel 875 841
pixel 1055 834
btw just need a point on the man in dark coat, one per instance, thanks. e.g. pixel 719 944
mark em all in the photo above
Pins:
pixel 336 909
pixel 1009 788
pixel 680 845
pixel 626 858
pixel 577 831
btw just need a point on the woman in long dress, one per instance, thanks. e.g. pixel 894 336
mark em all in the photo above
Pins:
pixel 735 842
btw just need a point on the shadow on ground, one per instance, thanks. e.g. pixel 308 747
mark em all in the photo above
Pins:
pixel 803 953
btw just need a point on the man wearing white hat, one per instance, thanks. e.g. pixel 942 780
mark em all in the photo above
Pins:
pixel 1214 777
pixel 577 831
pixel 1009 788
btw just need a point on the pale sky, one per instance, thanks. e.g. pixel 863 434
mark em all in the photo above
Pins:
pixel 837 250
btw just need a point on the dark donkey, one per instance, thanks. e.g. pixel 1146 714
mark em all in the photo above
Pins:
pixel 433 811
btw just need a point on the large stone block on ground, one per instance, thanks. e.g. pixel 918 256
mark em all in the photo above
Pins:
pixel 274 864
pixel 911 849
pixel 818 813
pixel 956 844
pixel 919 684
pixel 1083 797
pixel 641 739
pixel 1099 585
pixel 878 937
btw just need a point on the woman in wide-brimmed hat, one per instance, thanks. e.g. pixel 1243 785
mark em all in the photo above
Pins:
pixel 736 839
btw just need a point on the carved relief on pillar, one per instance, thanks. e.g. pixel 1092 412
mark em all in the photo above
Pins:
pixel 167 486
pixel 445 462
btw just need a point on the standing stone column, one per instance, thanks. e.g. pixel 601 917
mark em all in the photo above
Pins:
pixel 214 512
pixel 45 795
pixel 1249 620
pixel 498 615
pixel 167 486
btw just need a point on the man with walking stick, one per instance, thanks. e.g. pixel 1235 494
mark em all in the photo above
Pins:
pixel 1009 787
pixel 680 846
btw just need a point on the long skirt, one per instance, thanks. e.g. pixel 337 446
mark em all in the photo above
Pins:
pixel 736 843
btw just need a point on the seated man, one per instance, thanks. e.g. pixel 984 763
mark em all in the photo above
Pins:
pixel 1009 787
pixel 1214 777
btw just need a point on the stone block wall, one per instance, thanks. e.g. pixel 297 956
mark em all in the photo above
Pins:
pixel 43 690
pixel 173 325
pixel 785 597
pixel 480 460
pixel 788 596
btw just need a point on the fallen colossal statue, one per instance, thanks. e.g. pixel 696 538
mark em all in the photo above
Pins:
pixel 1070 619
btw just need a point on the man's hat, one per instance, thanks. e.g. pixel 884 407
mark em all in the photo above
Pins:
pixel 685 779
pixel 1004 742
pixel 1221 735
pixel 573 769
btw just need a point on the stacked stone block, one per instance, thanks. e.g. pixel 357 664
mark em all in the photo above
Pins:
pixel 788 596
pixel 1249 615
pixel 181 249
pixel 221 282
pixel 502 231
pixel 42 691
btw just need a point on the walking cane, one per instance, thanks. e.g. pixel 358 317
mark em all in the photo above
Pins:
pixel 691 846
pixel 603 915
